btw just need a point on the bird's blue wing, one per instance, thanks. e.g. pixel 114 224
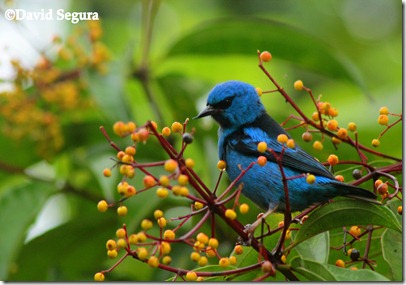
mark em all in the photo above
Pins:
pixel 245 140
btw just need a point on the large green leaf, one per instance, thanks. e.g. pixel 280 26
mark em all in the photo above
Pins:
pixel 346 274
pixel 248 34
pixel 392 252
pixel 312 270
pixel 345 213
pixel 316 248
pixel 20 205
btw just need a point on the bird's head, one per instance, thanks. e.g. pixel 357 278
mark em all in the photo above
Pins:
pixel 232 104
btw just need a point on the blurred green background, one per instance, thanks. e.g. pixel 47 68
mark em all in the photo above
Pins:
pixel 165 58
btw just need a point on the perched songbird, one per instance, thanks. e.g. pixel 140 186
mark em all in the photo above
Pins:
pixel 244 123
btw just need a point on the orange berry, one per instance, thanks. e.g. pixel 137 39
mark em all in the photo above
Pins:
pixel 290 143
pixel 224 262
pixel 177 127
pixel 102 206
pixel 298 85
pixel 340 263
pixel 307 136
pixel 262 160
pixel 400 210
pixel 282 138
pixel 130 150
pixel 221 165
pixel 262 147
pixel 382 188
pixel 107 172
pixel 332 159
pixel 265 56
pixel 170 165
pixel 189 162
pixel 333 112
pixel 130 191
pixel 231 214
pixel 143 134
pixel 119 128
pixel 339 178
pixel 153 261
pixel 202 237
pixel 315 116
pixel 383 119
pixel 355 231
pixel 166 132
pixel 342 133
pixel 238 249
pixel 332 125
pixel 384 110
pixel 149 181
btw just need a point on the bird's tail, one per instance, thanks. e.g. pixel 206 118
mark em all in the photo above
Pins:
pixel 357 193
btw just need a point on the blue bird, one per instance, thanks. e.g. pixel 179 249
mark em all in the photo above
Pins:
pixel 244 123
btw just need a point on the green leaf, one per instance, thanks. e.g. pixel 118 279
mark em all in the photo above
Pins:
pixel 346 274
pixel 392 252
pixel 312 270
pixel 345 213
pixel 316 248
pixel 20 205
pixel 246 36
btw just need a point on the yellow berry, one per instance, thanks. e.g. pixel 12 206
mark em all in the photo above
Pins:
pixel 355 231
pixel 202 237
pixel 120 233
pixel 158 214
pixel 335 140
pixel 183 191
pixel 198 205
pixel 99 277
pixel 121 243
pixel 244 208
pixel 111 244
pixel 102 206
pixel 107 172
pixel 166 259
pixel 333 112
pixel 146 224
pixel 164 180
pixel 340 263
pixel 224 262
pixel 122 187
pixel 148 181
pixel 262 147
pixel 189 162
pixel 290 143
pixel 162 192
pixel 142 253
pixel 353 268
pixel 141 237
pixel 166 131
pixel 213 243
pixel 288 234
pixel 119 128
pixel 130 191
pixel 383 119
pixel 384 110
pixel 352 126
pixel 122 211
pixel 310 179
pixel 203 261
pixel 298 85
pixel 332 125
pixel 315 116
pixel 317 145
pixel 262 160
pixel 169 235
pixel 191 276
pixel 130 150
pixel 120 155
pixel 265 56
pixel 339 178
pixel 221 165
pixel 130 127
pixel 231 214
pixel 259 91
pixel 233 260
pixel 375 142
pixel 332 159
pixel 153 261
pixel 162 222
pixel 133 239
pixel 307 136
pixel 282 138
pixel 177 127
pixel 112 253
pixel 170 165
pixel 238 249
pixel 195 256
pixel 183 180
pixel 400 210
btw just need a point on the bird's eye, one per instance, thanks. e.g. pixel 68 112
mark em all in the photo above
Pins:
pixel 223 104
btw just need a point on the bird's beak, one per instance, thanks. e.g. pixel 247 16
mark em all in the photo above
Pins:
pixel 208 111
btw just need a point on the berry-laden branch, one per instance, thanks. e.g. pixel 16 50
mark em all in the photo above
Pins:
pixel 152 242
